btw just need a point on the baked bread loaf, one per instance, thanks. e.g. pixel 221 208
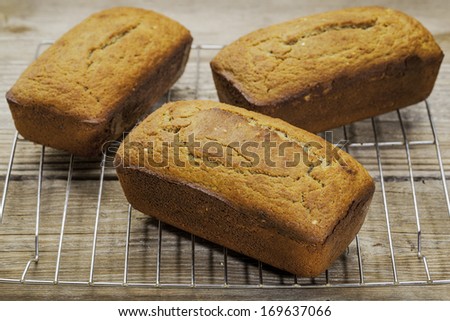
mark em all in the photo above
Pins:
pixel 98 79
pixel 249 182
pixel 330 69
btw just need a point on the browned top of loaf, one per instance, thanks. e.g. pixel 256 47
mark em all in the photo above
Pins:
pixel 93 66
pixel 273 63
pixel 306 200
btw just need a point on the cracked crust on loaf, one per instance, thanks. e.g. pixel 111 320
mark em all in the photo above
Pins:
pixel 297 217
pixel 330 69
pixel 98 79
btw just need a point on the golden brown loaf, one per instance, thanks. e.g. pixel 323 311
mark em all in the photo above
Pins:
pixel 252 183
pixel 330 69
pixel 98 79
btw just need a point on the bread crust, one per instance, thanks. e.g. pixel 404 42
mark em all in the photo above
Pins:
pixel 99 79
pixel 330 69
pixel 297 219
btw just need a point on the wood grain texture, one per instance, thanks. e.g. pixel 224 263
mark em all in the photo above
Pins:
pixel 23 292
pixel 24 24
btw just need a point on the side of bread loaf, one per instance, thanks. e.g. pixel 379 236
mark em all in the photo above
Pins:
pixel 247 181
pixel 98 79
pixel 330 69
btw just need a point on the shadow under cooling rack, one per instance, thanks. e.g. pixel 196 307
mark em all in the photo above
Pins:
pixel 66 221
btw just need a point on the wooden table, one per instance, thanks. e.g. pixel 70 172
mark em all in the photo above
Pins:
pixel 24 24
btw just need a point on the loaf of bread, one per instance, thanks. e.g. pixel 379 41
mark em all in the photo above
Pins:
pixel 330 69
pixel 249 182
pixel 98 79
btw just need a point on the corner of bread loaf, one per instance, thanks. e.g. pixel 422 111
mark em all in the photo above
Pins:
pixel 229 93
pixel 118 159
pixel 49 127
pixel 346 229
pixel 10 98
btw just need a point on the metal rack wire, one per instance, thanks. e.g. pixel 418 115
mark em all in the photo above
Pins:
pixel 424 277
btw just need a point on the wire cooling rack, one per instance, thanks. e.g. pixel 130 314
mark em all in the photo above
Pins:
pixel 66 221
